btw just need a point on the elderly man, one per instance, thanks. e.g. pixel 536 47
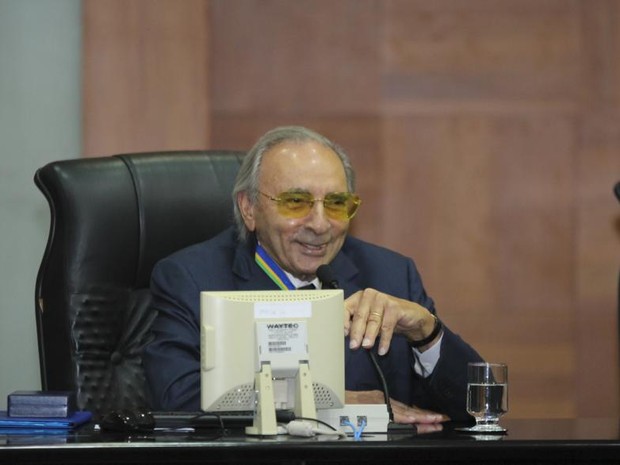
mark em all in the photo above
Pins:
pixel 294 198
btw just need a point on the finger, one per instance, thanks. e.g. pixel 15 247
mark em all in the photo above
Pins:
pixel 359 322
pixel 388 324
pixel 377 305
pixel 429 428
pixel 364 397
pixel 426 418
pixel 350 304
pixel 411 414
pixel 418 418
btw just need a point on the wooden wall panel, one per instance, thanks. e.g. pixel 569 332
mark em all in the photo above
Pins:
pixel 287 58
pixel 450 55
pixel 493 99
pixel 493 238
pixel 145 75
pixel 597 260
pixel 597 213
pixel 484 133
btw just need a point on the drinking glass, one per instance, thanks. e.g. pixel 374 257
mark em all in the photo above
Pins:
pixel 487 395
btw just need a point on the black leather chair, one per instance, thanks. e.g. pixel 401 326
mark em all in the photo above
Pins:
pixel 112 219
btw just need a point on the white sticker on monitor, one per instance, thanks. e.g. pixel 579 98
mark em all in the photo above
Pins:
pixel 282 338
pixel 301 309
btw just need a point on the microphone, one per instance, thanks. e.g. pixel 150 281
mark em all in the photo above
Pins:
pixel 327 277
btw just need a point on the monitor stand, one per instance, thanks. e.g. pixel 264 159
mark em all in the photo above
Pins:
pixel 264 423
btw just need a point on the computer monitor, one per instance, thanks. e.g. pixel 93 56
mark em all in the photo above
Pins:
pixel 241 331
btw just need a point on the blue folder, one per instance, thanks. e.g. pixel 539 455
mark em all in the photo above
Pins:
pixel 70 422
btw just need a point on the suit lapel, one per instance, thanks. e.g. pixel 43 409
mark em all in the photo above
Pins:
pixel 346 273
pixel 247 274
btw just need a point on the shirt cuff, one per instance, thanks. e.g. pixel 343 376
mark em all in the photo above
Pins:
pixel 426 361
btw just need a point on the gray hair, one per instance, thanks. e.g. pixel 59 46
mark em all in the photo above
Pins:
pixel 247 177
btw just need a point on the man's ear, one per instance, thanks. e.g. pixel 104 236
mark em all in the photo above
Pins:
pixel 246 207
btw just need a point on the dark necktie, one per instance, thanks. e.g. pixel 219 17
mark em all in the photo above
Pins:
pixel 307 286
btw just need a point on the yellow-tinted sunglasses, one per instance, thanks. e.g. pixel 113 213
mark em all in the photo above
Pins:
pixel 338 205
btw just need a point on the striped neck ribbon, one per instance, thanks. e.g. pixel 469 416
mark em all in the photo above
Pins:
pixel 273 270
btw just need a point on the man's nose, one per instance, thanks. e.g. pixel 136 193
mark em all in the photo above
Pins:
pixel 317 218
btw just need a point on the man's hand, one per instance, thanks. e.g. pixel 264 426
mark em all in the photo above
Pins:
pixel 370 314
pixel 402 413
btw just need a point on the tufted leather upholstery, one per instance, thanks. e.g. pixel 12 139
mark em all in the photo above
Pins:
pixel 111 219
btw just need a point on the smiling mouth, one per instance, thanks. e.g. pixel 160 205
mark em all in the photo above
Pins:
pixel 312 248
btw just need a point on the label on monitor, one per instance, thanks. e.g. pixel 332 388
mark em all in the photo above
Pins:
pixel 279 337
pixel 301 309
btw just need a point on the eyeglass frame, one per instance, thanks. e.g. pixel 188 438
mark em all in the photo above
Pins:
pixel 350 196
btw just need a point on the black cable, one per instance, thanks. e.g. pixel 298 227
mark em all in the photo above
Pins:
pixel 386 391
pixel 321 422
pixel 217 416
pixel 195 421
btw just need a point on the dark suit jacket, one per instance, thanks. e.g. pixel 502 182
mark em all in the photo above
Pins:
pixel 172 360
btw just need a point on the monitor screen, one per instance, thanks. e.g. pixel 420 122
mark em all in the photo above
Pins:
pixel 240 330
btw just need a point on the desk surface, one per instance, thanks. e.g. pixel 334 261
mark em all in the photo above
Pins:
pixel 528 441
